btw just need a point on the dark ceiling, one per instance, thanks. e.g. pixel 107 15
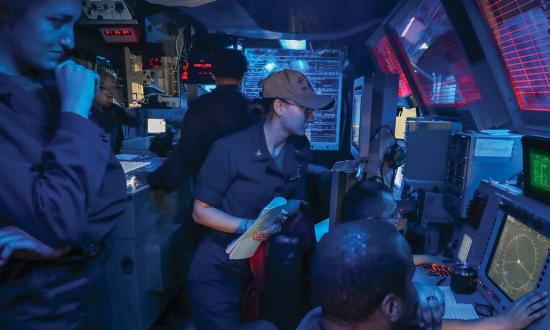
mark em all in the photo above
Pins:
pixel 291 19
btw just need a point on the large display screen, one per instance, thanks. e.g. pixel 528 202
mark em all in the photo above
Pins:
pixel 322 68
pixel 388 63
pixel 518 257
pixel 536 167
pixel 520 30
pixel 435 58
pixel 540 169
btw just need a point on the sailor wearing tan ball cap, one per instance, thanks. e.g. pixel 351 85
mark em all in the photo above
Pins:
pixel 242 173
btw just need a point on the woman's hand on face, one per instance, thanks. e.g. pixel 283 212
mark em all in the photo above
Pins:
pixel 76 86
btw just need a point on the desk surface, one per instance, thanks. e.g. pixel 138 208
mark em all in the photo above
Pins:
pixel 420 276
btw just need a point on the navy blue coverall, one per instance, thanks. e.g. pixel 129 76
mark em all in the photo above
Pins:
pixel 240 178
pixel 61 184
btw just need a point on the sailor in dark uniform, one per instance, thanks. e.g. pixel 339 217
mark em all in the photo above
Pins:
pixel 61 187
pixel 242 174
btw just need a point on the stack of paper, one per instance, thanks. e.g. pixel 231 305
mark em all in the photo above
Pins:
pixel 456 311
pixel 245 246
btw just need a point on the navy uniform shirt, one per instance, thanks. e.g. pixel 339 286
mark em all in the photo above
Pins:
pixel 61 184
pixel 211 117
pixel 240 177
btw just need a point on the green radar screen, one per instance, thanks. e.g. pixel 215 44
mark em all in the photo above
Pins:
pixel 540 170
pixel 518 259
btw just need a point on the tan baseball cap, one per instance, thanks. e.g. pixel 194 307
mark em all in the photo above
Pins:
pixel 293 85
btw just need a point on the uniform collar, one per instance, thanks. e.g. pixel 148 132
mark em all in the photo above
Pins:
pixel 259 146
pixel 293 157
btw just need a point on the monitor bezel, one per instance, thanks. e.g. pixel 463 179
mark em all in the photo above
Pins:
pixel 362 152
pixel 438 110
pixel 529 142
pixel 497 297
pixel 373 41
pixel 525 121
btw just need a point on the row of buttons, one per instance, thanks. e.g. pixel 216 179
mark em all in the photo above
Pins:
pixel 437 270
pixel 490 293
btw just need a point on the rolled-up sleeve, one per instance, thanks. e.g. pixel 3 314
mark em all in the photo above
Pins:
pixel 48 188
pixel 215 175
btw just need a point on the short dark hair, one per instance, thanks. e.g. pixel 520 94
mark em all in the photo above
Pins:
pixel 355 266
pixel 229 63
pixel 364 199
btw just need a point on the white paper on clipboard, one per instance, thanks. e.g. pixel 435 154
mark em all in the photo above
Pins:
pixel 494 148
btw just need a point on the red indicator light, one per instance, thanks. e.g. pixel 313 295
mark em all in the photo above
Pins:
pixel 117 32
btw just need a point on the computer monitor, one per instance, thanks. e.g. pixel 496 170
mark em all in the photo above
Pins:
pixel 197 68
pixel 156 126
pixel 464 250
pixel 360 119
pixel 434 56
pixel 323 70
pixel 520 32
pixel 536 167
pixel 517 253
pixel 518 257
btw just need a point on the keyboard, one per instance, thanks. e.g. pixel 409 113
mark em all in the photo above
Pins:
pixel 434 270
pixel 132 166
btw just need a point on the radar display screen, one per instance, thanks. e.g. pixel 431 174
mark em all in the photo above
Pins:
pixel 539 170
pixel 518 258
pixel 322 68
